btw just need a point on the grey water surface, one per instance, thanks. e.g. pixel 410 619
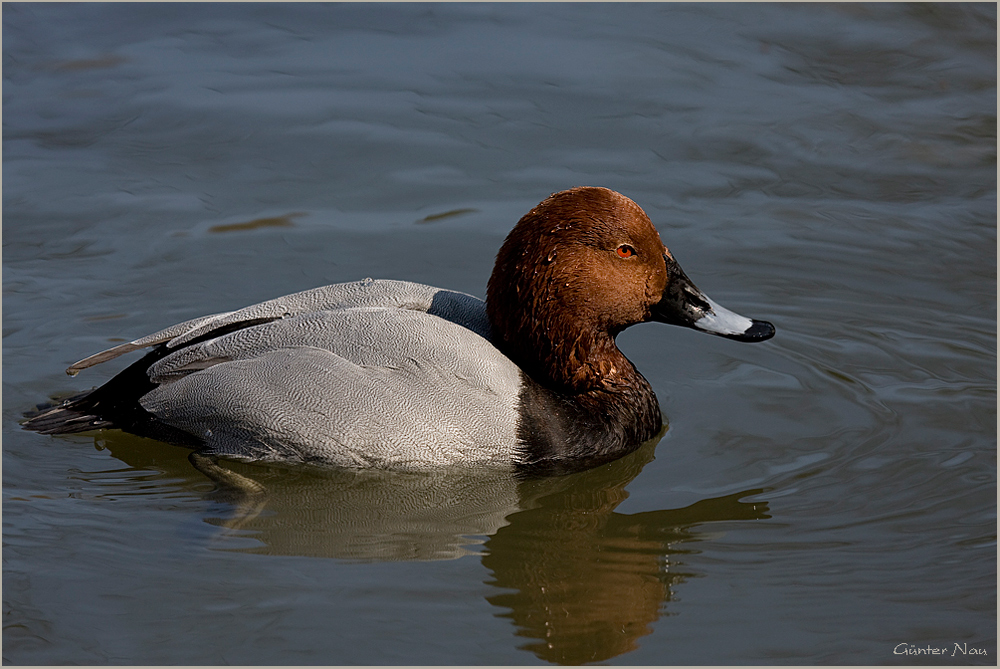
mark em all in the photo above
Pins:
pixel 827 497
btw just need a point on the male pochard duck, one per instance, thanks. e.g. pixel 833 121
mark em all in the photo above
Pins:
pixel 393 374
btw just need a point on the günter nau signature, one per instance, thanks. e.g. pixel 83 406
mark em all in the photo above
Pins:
pixel 956 649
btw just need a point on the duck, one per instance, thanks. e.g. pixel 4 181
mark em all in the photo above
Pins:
pixel 389 374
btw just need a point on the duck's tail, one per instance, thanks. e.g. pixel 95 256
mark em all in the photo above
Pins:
pixel 74 414
pixel 115 405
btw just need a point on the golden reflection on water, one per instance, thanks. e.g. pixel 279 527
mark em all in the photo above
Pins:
pixel 588 582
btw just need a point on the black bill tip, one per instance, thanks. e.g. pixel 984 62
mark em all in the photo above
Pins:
pixel 758 331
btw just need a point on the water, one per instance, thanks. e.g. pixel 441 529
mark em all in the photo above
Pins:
pixel 826 497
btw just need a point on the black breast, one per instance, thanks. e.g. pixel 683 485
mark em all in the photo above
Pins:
pixel 561 433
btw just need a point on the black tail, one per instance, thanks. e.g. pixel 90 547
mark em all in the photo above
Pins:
pixel 115 405
pixel 74 414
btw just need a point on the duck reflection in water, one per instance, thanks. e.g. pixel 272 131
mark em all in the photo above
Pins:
pixel 582 582
pixel 588 582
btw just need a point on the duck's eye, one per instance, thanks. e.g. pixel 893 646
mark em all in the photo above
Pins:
pixel 626 251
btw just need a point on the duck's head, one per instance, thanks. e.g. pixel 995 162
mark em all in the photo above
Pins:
pixel 578 269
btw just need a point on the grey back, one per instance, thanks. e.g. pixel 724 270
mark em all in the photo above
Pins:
pixel 369 374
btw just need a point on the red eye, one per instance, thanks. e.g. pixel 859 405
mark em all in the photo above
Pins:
pixel 626 251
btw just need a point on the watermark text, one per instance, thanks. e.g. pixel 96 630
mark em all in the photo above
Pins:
pixel 955 650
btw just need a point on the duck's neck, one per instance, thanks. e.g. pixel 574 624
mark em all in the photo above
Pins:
pixel 584 402
pixel 571 360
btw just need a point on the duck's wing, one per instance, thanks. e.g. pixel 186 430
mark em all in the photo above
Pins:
pixel 457 307
pixel 359 386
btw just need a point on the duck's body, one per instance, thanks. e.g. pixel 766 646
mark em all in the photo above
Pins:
pixel 393 374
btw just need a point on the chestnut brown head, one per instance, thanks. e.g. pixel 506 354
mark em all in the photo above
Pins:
pixel 578 269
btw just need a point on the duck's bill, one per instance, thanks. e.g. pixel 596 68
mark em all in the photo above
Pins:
pixel 683 304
